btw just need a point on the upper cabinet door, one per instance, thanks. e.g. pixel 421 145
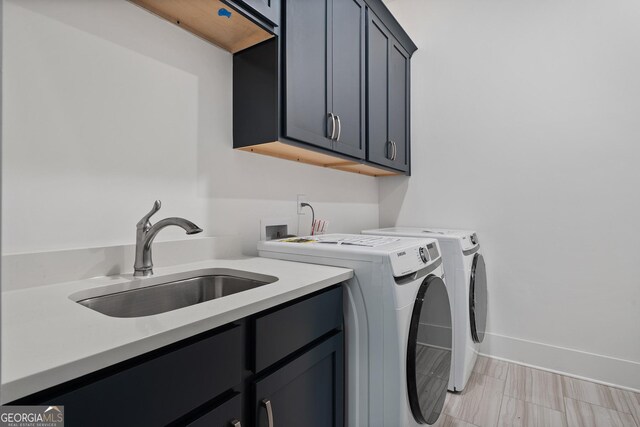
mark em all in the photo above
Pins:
pixel 307 54
pixel 399 105
pixel 349 76
pixel 388 98
pixel 379 149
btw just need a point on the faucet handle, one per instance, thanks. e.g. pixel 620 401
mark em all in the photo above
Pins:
pixel 145 219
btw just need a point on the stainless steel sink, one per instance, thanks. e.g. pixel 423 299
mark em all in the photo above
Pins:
pixel 170 296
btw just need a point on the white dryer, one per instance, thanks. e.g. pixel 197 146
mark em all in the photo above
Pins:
pixel 467 286
pixel 396 371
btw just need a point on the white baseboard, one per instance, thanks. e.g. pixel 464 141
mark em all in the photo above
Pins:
pixel 601 369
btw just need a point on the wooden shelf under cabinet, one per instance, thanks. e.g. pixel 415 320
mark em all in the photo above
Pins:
pixel 201 18
pixel 299 154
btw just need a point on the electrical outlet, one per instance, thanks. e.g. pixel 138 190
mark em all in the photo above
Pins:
pixel 302 198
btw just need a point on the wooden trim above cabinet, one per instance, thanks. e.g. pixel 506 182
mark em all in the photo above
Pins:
pixel 200 17
pixel 298 154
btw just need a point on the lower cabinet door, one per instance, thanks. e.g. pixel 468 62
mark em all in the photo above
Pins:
pixel 308 391
pixel 229 414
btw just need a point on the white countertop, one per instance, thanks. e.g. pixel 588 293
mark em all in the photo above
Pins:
pixel 48 338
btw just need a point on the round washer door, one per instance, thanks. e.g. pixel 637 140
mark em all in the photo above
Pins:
pixel 478 299
pixel 429 352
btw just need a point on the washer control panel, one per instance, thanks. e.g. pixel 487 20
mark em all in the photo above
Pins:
pixel 423 254
pixel 412 259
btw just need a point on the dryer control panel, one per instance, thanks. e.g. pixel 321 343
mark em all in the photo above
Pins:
pixel 469 241
pixel 410 260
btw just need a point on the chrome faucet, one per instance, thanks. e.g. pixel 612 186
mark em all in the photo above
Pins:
pixel 145 234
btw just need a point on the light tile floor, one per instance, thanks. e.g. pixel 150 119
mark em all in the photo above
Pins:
pixel 503 394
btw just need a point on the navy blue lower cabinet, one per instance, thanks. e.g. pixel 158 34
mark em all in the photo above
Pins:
pixel 308 391
pixel 291 355
pixel 288 329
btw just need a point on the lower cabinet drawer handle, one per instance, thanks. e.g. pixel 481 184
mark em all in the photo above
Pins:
pixel 267 405
pixel 235 423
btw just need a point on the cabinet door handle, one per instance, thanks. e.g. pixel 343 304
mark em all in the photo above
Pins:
pixel 267 405
pixel 339 128
pixel 395 150
pixel 235 423
pixel 390 150
pixel 333 126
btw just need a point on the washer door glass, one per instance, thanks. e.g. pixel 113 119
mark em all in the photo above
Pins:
pixel 478 299
pixel 429 351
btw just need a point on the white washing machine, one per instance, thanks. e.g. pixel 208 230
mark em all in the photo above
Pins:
pixel 467 285
pixel 396 372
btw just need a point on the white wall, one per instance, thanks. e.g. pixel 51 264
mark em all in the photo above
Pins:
pixel 526 127
pixel 525 121
pixel 109 108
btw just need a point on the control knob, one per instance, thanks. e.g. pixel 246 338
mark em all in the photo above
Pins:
pixel 423 255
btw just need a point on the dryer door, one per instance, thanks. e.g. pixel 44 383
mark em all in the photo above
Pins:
pixel 429 351
pixel 478 299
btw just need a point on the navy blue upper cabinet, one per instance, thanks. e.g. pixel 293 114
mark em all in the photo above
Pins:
pixel 388 97
pixel 328 91
pixel 305 75
pixel 324 74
